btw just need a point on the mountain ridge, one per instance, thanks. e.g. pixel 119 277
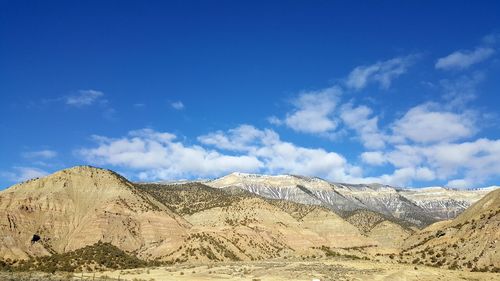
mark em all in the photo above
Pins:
pixel 374 184
pixel 415 206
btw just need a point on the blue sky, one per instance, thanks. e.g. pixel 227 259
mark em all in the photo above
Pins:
pixel 372 91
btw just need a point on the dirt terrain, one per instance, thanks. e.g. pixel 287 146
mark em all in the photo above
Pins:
pixel 336 269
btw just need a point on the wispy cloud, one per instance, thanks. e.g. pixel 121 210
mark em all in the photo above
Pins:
pixel 463 59
pixel 83 98
pixel 87 98
pixel 177 105
pixel 382 72
pixel 491 39
pixel 44 154
pixel 459 91
pixel 19 174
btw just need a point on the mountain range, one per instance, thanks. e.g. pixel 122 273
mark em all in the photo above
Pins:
pixel 245 217
pixel 415 206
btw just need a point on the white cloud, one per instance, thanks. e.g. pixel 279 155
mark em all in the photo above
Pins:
pixel 464 59
pixel 403 176
pixel 382 72
pixel 427 143
pixel 475 161
pixel 20 174
pixel 375 158
pixel 313 112
pixel 359 119
pixel 459 183
pixel 155 155
pixel 158 155
pixel 426 123
pixel 405 156
pixel 83 98
pixel 285 157
pixel 278 156
pixel 178 105
pixel 275 120
pixel 425 174
pixel 242 138
pixel 46 154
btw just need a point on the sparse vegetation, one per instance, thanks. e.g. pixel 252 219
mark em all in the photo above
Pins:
pixel 99 256
pixel 190 198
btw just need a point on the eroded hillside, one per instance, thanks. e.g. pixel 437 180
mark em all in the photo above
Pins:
pixel 47 222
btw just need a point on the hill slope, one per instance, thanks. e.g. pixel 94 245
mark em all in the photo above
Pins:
pixel 243 226
pixel 80 206
pixel 470 241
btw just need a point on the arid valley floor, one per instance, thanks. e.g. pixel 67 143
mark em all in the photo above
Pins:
pixel 332 269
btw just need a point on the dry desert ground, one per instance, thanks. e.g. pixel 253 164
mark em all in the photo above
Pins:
pixel 324 270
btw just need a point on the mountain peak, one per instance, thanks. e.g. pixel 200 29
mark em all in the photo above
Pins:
pixel 250 175
pixel 86 169
pixel 75 177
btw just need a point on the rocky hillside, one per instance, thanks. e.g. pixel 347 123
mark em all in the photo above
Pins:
pixel 50 222
pixel 82 206
pixel 470 241
pixel 419 207
pixel 238 225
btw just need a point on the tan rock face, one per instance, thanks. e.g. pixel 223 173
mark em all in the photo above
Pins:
pixel 389 235
pixel 273 225
pixel 78 207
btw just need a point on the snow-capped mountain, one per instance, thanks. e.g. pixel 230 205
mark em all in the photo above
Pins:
pixel 444 203
pixel 417 206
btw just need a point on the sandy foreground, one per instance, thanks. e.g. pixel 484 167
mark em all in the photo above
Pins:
pixel 297 270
